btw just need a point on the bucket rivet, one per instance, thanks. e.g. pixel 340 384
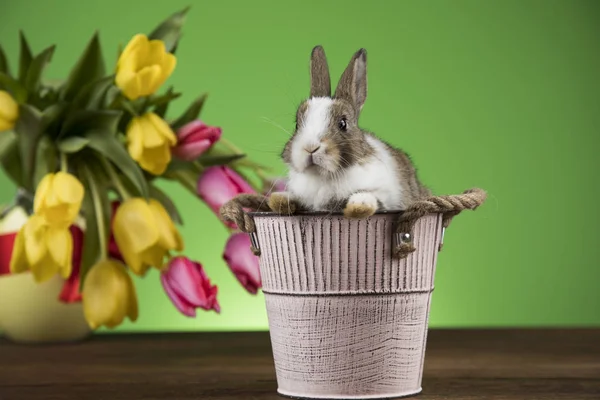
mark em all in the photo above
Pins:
pixel 405 237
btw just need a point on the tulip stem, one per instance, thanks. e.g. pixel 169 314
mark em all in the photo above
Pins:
pixel 231 146
pixel 97 211
pixel 64 166
pixel 115 179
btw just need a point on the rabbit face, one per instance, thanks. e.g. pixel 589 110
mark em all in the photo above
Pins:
pixel 327 137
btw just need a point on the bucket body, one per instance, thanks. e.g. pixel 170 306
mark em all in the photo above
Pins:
pixel 347 319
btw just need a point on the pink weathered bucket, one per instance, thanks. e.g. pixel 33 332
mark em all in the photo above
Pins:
pixel 348 300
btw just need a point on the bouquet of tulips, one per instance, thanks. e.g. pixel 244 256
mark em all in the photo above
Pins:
pixel 87 153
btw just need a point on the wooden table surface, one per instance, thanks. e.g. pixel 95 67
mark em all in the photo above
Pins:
pixel 459 365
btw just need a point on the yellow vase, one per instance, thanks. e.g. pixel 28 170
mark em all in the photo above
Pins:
pixel 31 312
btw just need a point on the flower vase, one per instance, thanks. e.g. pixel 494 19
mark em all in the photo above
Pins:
pixel 31 312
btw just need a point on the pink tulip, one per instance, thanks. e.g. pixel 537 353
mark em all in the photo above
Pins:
pixel 194 139
pixel 188 287
pixel 242 262
pixel 219 184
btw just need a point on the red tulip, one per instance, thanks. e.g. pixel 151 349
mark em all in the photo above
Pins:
pixel 219 184
pixel 194 139
pixel 70 291
pixel 188 287
pixel 242 262
pixel 113 249
pixel 7 241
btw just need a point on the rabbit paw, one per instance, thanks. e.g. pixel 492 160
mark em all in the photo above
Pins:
pixel 360 205
pixel 281 203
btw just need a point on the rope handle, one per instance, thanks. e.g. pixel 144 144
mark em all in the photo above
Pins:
pixel 449 206
pixel 235 210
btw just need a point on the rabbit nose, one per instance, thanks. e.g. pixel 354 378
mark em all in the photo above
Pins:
pixel 312 149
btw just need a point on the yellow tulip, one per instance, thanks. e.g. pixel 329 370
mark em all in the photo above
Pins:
pixel 9 111
pixel 58 199
pixel 43 249
pixel 144 233
pixel 149 142
pixel 144 65
pixel 108 295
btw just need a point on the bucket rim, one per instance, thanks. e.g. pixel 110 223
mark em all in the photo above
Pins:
pixel 316 213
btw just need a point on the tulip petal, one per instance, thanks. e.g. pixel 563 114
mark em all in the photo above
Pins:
pixel 152 137
pixel 242 262
pixel 41 192
pixel 129 84
pixel 44 269
pixel 156 52
pixel 6 125
pixel 188 129
pixel 9 111
pixel 191 151
pixel 107 294
pixel 180 303
pixel 163 128
pixel 134 45
pixel 156 160
pixel 132 303
pixel 18 260
pixel 149 79
pixel 167 231
pixel 68 188
pixel 60 246
pixel 186 279
pixel 154 257
pixel 135 139
pixel 35 239
pixel 134 225
pixel 135 231
pixel 241 185
pixel 168 65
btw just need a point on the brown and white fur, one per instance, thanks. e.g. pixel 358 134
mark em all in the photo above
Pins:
pixel 333 164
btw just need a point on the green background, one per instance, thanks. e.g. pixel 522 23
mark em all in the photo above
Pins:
pixel 502 95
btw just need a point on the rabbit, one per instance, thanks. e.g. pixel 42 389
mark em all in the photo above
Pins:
pixel 334 165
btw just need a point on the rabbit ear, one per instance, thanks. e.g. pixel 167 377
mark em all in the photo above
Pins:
pixel 353 83
pixel 320 84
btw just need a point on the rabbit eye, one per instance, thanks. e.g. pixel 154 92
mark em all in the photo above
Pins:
pixel 343 124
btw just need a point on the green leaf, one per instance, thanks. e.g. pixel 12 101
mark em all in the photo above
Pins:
pixel 82 121
pixel 25 58
pixel 210 160
pixel 159 101
pixel 53 117
pixel 89 68
pixel 109 146
pixel 162 107
pixel 46 160
pixel 169 31
pixel 29 130
pixel 36 67
pixel 110 97
pixel 167 203
pixel 91 96
pixel 191 113
pixel 180 165
pixel 14 87
pixel 96 211
pixel 73 144
pixel 90 253
pixel 10 157
pixel 4 67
